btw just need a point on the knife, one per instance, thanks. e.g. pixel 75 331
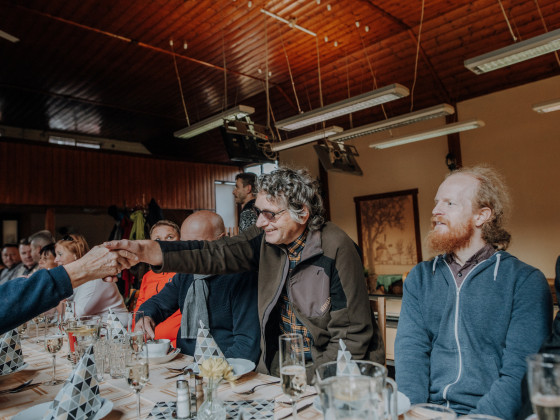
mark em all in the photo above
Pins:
pixel 299 410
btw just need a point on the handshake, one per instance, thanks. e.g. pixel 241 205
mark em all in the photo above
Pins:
pixel 109 259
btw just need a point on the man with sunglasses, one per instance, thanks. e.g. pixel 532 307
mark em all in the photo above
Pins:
pixel 310 273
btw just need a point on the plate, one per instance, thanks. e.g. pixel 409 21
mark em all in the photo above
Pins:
pixel 38 411
pixel 17 370
pixel 403 403
pixel 164 359
pixel 241 366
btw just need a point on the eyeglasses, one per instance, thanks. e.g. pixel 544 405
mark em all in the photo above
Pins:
pixel 268 215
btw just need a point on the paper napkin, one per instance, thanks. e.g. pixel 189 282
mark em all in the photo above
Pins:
pixel 11 357
pixel 345 365
pixel 117 324
pixel 206 346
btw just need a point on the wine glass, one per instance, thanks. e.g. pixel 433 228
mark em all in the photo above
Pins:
pixel 136 339
pixel 21 330
pixel 137 373
pixel 82 332
pixel 38 320
pixel 543 377
pixel 292 368
pixel 53 340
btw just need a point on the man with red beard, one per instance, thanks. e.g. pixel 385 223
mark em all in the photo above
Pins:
pixel 471 315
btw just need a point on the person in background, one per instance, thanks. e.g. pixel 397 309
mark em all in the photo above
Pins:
pixel 26 297
pixel 153 283
pixel 47 256
pixel 227 304
pixel 472 315
pixel 96 297
pixel 310 274
pixel 29 266
pixel 38 241
pixel 244 193
pixel 12 262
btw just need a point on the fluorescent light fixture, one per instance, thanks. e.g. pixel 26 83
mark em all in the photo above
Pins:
pixel 214 121
pixel 398 121
pixel 516 53
pixel 548 106
pixel 428 134
pixel 62 141
pixel 304 139
pixel 346 106
pixel 291 23
pixel 88 144
pixel 9 37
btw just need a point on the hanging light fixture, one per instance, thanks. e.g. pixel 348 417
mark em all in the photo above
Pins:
pixel 516 53
pixel 398 121
pixel 344 107
pixel 429 134
pixel 306 138
pixel 215 121
pixel 548 106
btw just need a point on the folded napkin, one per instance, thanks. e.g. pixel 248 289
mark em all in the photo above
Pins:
pixel 117 324
pixel 345 365
pixel 206 346
pixel 254 409
pixel 78 399
pixel 11 357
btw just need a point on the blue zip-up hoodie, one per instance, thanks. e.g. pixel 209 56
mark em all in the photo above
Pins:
pixel 466 347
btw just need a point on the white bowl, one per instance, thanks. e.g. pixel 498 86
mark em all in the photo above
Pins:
pixel 158 348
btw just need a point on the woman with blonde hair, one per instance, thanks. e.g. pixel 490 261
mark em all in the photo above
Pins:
pixel 95 297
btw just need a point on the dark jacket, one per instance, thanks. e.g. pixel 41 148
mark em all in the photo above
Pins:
pixel 327 288
pixel 232 312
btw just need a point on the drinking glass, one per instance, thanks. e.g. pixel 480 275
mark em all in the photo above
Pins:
pixel 39 319
pixel 21 330
pixel 82 333
pixel 429 411
pixel 136 339
pixel 137 373
pixel 53 340
pixel 543 376
pixel 292 368
pixel 117 350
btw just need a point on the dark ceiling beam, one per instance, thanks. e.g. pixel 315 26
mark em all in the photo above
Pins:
pixel 443 93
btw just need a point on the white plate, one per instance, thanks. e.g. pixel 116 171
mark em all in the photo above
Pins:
pixel 38 411
pixel 241 366
pixel 17 370
pixel 403 403
pixel 164 359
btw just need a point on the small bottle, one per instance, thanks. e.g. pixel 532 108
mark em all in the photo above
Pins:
pixel 183 399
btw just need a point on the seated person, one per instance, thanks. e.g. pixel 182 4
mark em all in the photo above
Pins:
pixel 95 297
pixel 153 283
pixel 12 261
pixel 227 304
pixel 47 256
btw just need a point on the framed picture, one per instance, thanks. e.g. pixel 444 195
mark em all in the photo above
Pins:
pixel 389 236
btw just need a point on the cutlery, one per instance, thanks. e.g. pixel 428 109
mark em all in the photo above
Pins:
pixel 299 410
pixel 17 388
pixel 288 403
pixel 183 372
pixel 252 390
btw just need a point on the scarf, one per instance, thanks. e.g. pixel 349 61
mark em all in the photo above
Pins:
pixel 195 307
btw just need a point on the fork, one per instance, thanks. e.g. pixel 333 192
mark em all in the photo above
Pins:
pixel 252 390
pixel 183 372
pixel 17 388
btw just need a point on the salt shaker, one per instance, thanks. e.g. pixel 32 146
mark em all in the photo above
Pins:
pixel 183 399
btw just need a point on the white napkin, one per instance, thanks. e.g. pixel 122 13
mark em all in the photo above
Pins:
pixel 345 365
pixel 78 399
pixel 117 324
pixel 11 357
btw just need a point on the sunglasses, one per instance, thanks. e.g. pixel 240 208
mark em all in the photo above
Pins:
pixel 271 216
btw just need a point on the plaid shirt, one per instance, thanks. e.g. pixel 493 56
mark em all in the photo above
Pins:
pixel 289 324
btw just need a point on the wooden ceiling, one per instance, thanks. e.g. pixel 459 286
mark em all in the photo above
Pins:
pixel 105 67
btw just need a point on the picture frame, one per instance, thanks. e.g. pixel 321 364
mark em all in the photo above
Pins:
pixel 389 237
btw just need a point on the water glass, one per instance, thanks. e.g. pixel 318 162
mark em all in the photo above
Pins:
pixel 100 354
pixel 292 368
pixel 543 376
pixel 429 411
pixel 117 349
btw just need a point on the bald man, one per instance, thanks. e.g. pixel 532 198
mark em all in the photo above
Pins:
pixel 225 303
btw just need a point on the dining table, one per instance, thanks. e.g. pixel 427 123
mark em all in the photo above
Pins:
pixel 160 388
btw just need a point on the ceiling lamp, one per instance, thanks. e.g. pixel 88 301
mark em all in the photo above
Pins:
pixel 548 106
pixel 516 53
pixel 214 121
pixel 346 106
pixel 306 138
pixel 428 134
pixel 398 121
pixel 9 37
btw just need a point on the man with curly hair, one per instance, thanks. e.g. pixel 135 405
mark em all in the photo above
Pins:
pixel 310 275
pixel 473 314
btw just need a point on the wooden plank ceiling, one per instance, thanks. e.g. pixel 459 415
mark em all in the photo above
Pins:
pixel 105 67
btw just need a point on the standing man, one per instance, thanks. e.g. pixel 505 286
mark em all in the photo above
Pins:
pixel 470 316
pixel 244 193
pixel 310 275
pixel 39 240
pixel 29 266
pixel 12 261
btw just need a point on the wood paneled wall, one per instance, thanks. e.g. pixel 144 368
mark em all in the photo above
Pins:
pixel 53 176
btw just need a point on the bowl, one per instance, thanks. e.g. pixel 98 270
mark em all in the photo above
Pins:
pixel 158 348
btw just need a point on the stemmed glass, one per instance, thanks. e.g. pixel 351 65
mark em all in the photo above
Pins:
pixel 292 368
pixel 53 343
pixel 543 377
pixel 137 368
pixel 37 320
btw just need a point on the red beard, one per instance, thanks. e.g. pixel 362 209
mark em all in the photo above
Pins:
pixel 455 238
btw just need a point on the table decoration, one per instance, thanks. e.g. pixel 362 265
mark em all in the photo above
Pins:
pixel 11 356
pixel 214 370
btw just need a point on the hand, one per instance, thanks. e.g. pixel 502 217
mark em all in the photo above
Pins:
pixel 146 324
pixel 145 250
